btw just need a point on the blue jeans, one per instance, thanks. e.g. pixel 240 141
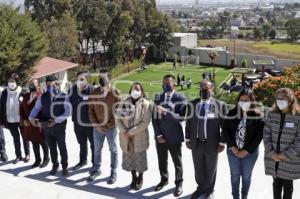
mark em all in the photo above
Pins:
pixel 241 168
pixel 99 138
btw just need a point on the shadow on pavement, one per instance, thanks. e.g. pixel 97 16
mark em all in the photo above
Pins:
pixel 92 187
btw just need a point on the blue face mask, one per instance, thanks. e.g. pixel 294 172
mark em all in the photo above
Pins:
pixel 52 90
pixel 167 88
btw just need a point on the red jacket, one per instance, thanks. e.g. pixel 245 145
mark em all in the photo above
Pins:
pixel 30 133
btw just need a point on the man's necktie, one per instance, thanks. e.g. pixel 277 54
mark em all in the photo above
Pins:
pixel 201 130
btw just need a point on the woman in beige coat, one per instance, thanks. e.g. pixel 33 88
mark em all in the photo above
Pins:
pixel 133 116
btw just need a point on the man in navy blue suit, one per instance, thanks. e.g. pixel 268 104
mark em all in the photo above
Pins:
pixel 168 115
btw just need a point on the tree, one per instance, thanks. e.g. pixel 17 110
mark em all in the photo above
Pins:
pixel 224 19
pixel 62 35
pixel 94 19
pixel 22 44
pixel 257 33
pixel 45 9
pixel 272 34
pixel 266 28
pixel 293 29
pixel 161 35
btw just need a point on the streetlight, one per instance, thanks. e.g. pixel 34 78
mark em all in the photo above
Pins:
pixel 234 34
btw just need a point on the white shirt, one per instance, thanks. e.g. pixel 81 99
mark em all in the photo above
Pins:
pixel 207 106
pixel 13 105
pixel 208 103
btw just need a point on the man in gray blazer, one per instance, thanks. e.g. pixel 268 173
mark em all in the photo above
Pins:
pixel 203 136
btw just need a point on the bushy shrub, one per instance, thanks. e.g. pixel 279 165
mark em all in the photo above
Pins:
pixel 266 89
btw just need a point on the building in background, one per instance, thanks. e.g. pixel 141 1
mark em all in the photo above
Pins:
pixel 50 66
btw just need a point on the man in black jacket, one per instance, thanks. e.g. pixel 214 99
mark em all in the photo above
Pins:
pixel 203 137
pixel 3 156
pixel 79 96
pixel 167 118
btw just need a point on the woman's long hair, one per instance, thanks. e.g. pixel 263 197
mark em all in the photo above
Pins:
pixel 237 109
pixel 142 89
pixel 294 107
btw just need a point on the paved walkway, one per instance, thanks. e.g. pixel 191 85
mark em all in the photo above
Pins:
pixel 20 181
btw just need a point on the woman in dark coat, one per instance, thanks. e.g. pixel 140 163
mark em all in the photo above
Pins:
pixel 243 130
pixel 31 133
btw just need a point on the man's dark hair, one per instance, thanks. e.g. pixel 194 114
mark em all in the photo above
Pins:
pixel 105 71
pixel 51 78
pixel 169 76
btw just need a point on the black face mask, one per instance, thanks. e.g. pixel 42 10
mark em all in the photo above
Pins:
pixel 103 82
pixel 204 94
pixel 32 88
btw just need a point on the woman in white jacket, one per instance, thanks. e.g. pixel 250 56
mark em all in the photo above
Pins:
pixel 133 116
pixel 10 116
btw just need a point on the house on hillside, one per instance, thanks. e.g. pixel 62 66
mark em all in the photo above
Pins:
pixel 238 22
pixel 50 66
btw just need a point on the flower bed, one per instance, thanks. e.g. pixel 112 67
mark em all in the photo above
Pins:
pixel 265 90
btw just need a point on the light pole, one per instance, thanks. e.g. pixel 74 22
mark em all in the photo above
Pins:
pixel 234 34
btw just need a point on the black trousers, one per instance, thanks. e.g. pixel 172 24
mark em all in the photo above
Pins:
pixel 83 135
pixel 280 185
pixel 162 153
pixel 56 137
pixel 205 165
pixel 14 129
pixel 2 141
pixel 36 150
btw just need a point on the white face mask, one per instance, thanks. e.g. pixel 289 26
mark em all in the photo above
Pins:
pixel 136 94
pixel 12 85
pixel 245 106
pixel 80 84
pixel 282 104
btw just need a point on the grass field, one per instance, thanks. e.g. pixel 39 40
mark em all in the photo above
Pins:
pixel 151 78
pixel 280 47
pixel 283 50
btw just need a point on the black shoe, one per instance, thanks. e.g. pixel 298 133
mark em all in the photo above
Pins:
pixel 196 194
pixel 44 163
pixel 3 157
pixel 161 185
pixel 27 158
pixel 53 171
pixel 178 191
pixel 65 172
pixel 139 183
pixel 91 171
pixel 112 178
pixel 209 195
pixel 17 160
pixel 79 165
pixel 134 180
pixel 94 175
pixel 36 164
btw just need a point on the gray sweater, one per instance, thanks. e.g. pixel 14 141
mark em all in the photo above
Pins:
pixel 289 145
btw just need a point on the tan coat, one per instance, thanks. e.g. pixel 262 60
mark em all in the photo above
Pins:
pixel 135 119
pixel 101 109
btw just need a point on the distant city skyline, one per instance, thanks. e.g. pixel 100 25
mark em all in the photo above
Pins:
pixel 162 2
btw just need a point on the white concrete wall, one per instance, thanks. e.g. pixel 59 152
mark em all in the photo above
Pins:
pixel 225 57
pixel 62 78
pixel 188 40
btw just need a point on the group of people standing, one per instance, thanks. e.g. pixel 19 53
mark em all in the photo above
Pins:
pixel 97 112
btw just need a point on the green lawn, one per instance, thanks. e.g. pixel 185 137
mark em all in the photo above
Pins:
pixel 280 47
pixel 151 78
